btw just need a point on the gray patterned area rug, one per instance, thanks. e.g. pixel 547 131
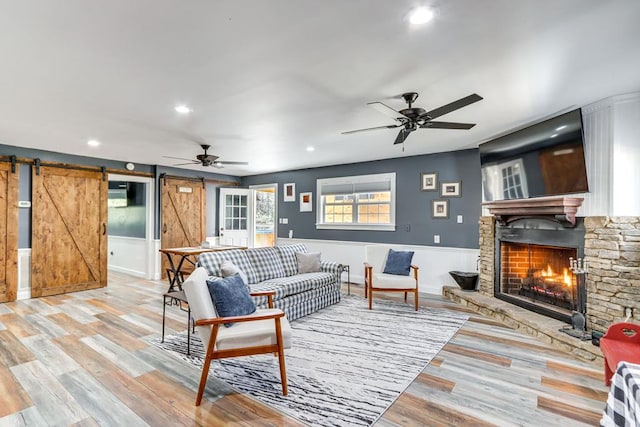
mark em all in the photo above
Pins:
pixel 347 364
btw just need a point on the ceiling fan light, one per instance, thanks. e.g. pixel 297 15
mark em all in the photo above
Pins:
pixel 420 15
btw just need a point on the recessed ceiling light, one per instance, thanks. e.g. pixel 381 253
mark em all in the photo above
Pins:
pixel 93 142
pixel 420 15
pixel 182 109
pixel 310 148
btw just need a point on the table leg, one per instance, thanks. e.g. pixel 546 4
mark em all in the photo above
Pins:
pixel 172 280
pixel 189 331
pixel 164 310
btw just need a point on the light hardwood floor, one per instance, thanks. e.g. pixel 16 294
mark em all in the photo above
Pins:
pixel 80 359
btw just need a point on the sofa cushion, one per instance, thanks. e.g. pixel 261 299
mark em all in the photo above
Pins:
pixel 398 262
pixel 291 285
pixel 231 297
pixel 308 263
pixel 256 333
pixel 288 257
pixel 266 263
pixel 212 262
pixel 298 305
pixel 228 268
pixel 394 281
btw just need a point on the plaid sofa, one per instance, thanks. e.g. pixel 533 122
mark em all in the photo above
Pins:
pixel 276 269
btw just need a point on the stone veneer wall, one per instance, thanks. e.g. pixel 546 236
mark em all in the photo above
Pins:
pixel 487 254
pixel 612 249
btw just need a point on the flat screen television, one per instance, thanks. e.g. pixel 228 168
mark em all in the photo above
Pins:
pixel 545 159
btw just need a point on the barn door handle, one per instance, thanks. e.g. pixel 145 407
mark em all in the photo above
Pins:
pixel 104 228
pixel 164 228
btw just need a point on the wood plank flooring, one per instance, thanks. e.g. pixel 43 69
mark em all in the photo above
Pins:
pixel 81 359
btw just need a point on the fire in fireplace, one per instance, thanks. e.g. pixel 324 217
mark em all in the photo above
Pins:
pixel 539 275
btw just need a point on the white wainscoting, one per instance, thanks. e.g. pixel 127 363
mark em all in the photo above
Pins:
pixel 128 255
pixel 434 262
pixel 24 274
pixel 157 260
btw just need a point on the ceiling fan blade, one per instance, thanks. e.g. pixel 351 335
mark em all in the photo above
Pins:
pixel 182 164
pixel 445 109
pixel 374 128
pixel 404 133
pixel 179 158
pixel 388 111
pixel 447 125
pixel 230 163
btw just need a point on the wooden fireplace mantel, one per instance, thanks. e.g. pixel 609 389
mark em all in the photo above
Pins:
pixel 562 209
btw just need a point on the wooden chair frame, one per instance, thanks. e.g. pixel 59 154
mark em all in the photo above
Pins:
pixel 277 349
pixel 369 286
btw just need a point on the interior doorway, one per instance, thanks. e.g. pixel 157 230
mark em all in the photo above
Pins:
pixel 131 247
pixel 264 215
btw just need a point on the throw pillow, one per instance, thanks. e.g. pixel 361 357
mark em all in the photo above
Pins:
pixel 398 262
pixel 228 268
pixel 308 263
pixel 231 297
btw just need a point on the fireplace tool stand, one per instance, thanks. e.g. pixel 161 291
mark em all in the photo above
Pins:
pixel 578 328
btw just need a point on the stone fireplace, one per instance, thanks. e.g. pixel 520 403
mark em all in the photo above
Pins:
pixel 610 245
pixel 533 244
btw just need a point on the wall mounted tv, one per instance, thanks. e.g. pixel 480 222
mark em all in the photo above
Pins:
pixel 545 159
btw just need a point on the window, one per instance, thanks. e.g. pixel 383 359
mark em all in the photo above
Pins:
pixel 364 202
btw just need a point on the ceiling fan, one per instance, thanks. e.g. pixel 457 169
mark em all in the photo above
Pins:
pixel 412 118
pixel 206 159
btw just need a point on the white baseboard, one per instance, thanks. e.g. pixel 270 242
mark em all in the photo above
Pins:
pixel 127 271
pixel 24 274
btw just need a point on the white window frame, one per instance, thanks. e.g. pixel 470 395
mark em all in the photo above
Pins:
pixel 359 179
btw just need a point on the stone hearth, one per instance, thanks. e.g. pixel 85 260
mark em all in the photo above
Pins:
pixel 542 327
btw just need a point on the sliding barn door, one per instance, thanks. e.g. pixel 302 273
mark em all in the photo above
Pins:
pixel 183 214
pixel 69 231
pixel 8 232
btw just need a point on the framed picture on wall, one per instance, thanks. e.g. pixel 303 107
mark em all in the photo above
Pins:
pixel 440 209
pixel 429 181
pixel 289 192
pixel 450 189
pixel 305 202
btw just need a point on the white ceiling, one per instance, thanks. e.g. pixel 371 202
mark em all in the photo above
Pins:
pixel 267 78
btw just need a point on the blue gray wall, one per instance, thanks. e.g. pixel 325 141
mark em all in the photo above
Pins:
pixel 414 224
pixel 24 214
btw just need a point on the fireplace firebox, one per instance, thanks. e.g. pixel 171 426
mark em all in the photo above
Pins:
pixel 533 266
pixel 539 274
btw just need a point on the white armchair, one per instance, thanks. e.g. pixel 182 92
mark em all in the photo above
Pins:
pixel 264 331
pixel 376 280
